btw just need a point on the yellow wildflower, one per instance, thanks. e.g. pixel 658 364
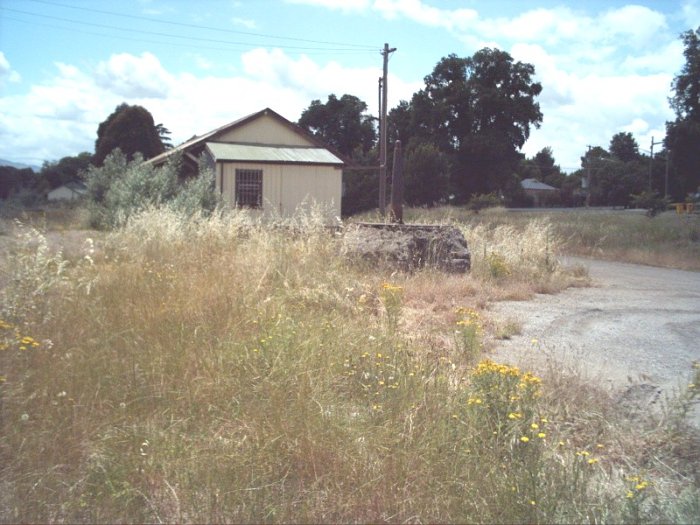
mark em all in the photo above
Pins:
pixel 524 439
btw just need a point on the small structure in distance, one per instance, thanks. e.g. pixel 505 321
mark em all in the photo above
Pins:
pixel 540 192
pixel 70 191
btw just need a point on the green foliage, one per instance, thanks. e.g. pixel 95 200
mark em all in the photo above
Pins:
pixel 426 174
pixel 276 394
pixel 22 183
pixel 341 123
pixel 66 169
pixel 612 180
pixel 550 173
pixel 132 130
pixel 686 85
pixel 497 265
pixel 650 201
pixel 360 191
pixel 682 139
pixel 478 111
pixel 624 147
pixel 683 134
pixel 120 188
pixel 391 296
pixel 483 201
pixel 469 333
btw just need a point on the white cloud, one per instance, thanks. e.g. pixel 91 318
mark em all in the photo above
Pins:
pixel 6 71
pixel 691 13
pixel 244 22
pixel 317 81
pixel 131 76
pixel 59 116
pixel 340 5
pixel 420 12
pixel 601 73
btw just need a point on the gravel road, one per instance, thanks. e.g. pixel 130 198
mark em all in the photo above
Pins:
pixel 635 327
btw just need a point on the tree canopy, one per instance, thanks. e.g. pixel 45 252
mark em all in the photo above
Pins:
pixel 477 110
pixel 683 134
pixel 342 123
pixel 132 130
pixel 624 147
pixel 66 169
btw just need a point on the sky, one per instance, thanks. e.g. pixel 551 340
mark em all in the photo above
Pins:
pixel 605 66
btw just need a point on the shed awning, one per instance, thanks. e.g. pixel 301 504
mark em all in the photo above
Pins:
pixel 274 154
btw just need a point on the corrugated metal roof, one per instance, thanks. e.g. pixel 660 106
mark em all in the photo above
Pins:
pixel 259 153
pixel 534 184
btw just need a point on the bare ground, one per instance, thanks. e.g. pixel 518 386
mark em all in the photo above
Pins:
pixel 635 330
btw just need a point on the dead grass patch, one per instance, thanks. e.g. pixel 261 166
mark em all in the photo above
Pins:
pixel 217 370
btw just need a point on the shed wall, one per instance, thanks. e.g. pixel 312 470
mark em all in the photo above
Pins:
pixel 63 193
pixel 265 130
pixel 287 188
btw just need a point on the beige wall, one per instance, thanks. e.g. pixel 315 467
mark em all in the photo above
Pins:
pixel 288 187
pixel 63 194
pixel 265 130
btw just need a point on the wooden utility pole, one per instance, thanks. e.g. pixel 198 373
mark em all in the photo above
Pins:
pixel 383 130
pixel 651 158
pixel 396 206
pixel 668 154
pixel 588 176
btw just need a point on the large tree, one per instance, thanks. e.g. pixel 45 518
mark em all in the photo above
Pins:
pixel 65 170
pixel 550 172
pixel 342 123
pixel 683 134
pixel 624 147
pixel 132 130
pixel 613 180
pixel 477 110
pixel 426 174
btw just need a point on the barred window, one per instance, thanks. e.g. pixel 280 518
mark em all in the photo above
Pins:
pixel 249 188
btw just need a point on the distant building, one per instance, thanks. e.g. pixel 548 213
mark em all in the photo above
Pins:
pixel 267 163
pixel 69 191
pixel 540 192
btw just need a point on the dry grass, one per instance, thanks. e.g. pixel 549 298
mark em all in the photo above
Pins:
pixel 215 370
pixel 667 240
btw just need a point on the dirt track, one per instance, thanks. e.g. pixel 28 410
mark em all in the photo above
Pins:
pixel 636 325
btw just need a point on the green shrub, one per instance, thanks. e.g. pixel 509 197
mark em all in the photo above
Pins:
pixel 651 201
pixel 481 202
pixel 121 188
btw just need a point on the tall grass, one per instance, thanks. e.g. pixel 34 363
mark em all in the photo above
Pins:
pixel 668 239
pixel 211 369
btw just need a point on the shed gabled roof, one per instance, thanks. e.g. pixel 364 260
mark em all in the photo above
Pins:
pixel 198 143
pixel 534 184
pixel 272 154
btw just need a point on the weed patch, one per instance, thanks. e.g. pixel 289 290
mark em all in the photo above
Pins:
pixel 218 370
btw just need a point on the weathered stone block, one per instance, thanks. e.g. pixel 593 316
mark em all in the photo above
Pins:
pixel 409 246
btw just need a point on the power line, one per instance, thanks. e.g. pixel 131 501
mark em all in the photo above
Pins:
pixel 210 28
pixel 170 35
pixel 186 45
